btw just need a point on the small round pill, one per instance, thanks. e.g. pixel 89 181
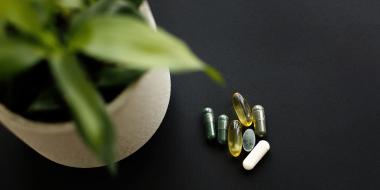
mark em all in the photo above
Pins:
pixel 208 120
pixel 249 140
pixel 222 129
pixel 256 154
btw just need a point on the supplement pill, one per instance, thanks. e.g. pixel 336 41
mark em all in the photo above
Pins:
pixel 222 129
pixel 242 109
pixel 208 120
pixel 256 154
pixel 235 138
pixel 259 122
pixel 249 140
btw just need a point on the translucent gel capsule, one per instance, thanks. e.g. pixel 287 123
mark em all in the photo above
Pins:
pixel 222 129
pixel 249 140
pixel 242 109
pixel 235 139
pixel 208 120
pixel 259 123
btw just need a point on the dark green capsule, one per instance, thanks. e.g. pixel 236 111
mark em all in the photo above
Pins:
pixel 259 122
pixel 249 140
pixel 209 123
pixel 222 129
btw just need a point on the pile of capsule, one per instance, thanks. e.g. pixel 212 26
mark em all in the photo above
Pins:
pixel 233 134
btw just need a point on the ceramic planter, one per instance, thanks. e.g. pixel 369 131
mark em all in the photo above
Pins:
pixel 137 113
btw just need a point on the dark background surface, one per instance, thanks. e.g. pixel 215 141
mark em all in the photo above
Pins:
pixel 314 65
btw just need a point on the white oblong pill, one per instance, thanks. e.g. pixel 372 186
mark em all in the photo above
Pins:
pixel 256 154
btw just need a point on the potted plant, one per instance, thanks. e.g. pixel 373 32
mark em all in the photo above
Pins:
pixel 86 82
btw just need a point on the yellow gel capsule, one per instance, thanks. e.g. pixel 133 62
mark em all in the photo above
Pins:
pixel 242 109
pixel 235 138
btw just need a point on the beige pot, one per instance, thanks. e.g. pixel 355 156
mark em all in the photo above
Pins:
pixel 137 113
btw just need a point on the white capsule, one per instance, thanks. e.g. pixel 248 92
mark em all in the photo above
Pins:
pixel 256 154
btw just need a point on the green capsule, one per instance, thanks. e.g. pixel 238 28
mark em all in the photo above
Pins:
pixel 249 140
pixel 242 109
pixel 259 124
pixel 222 129
pixel 208 119
pixel 235 139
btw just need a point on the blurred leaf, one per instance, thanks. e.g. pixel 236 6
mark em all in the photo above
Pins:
pixel 2 28
pixel 123 7
pixel 17 56
pixel 45 9
pixel 21 14
pixel 116 76
pixel 98 8
pixel 135 3
pixel 70 4
pixel 47 100
pixel 130 43
pixel 86 105
pixel 214 74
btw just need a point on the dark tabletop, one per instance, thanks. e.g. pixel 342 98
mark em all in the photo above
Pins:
pixel 314 65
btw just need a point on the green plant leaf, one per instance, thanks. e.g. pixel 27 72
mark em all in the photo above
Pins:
pixel 116 76
pixel 97 8
pixel 45 9
pixel 17 56
pixel 47 100
pixel 131 43
pixel 135 3
pixel 123 7
pixel 214 74
pixel 86 105
pixel 2 28
pixel 70 4
pixel 21 14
